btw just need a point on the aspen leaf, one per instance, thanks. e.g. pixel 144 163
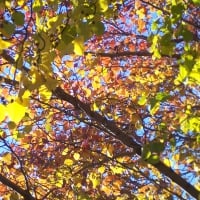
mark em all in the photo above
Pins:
pixel 146 153
pixel 37 5
pixel 166 161
pixel 117 169
pixel 65 151
pixel 68 162
pixel 45 93
pixel 16 112
pixel 7 158
pixel 110 151
pixel 11 125
pixel 2 112
pixel 18 18
pixel 153 159
pixel 4 44
pixel 79 46
pixel 95 107
pixel 101 169
pixel 94 178
pixel 154 107
pixel 76 156
pixel 103 5
pixel 8 29
pixel 142 100
pixel 59 183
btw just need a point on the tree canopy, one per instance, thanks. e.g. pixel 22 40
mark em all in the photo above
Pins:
pixel 99 99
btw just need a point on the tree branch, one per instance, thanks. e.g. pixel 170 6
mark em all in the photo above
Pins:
pixel 10 184
pixel 125 139
pixel 129 53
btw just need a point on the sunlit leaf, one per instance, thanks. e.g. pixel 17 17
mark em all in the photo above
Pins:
pixel 76 156
pixel 103 5
pixel 142 100
pixel 45 93
pixel 153 159
pixel 78 46
pixel 16 111
pixel 7 158
pixel 4 44
pixel 68 162
pixel 101 169
pixel 117 169
pixel 95 179
pixel 2 112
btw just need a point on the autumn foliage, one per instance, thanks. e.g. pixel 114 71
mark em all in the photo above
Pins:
pixel 99 99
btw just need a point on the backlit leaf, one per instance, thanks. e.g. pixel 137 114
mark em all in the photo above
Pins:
pixel 103 5
pixel 45 93
pixel 76 156
pixel 78 46
pixel 68 162
pixel 4 44
pixel 7 158
pixel 16 111
pixel 2 112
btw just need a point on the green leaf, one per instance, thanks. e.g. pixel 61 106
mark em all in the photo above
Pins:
pixel 68 34
pixel 178 9
pixel 7 29
pixel 154 106
pixel 153 159
pixel 187 35
pixel 98 28
pixel 51 83
pixel 162 96
pixel 11 125
pixel 18 18
pixel 45 93
pixel 146 153
pixel 197 2
pixel 37 5
pixel 157 147
pixel 142 100
pixel 84 29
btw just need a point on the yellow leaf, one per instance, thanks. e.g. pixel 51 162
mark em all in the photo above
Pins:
pixel 65 151
pixel 79 46
pixel 103 5
pixel 110 150
pixel 167 162
pixel 101 169
pixel 76 156
pixel 95 107
pixel 45 93
pixel 7 158
pixel 16 112
pixel 4 44
pixel 2 112
pixel 87 92
pixel 94 179
pixel 59 183
pixel 96 82
pixel 68 162
pixel 117 169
